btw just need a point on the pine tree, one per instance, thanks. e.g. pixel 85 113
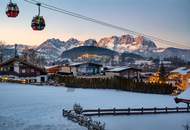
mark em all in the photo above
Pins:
pixel 162 73
pixel 1 51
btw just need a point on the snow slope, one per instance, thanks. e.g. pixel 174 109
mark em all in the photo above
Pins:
pixel 27 107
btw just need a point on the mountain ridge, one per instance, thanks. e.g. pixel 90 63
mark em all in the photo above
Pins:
pixel 53 48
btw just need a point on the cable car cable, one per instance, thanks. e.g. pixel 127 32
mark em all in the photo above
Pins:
pixel 53 8
pixel 38 22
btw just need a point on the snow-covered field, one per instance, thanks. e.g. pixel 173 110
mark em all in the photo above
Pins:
pixel 27 107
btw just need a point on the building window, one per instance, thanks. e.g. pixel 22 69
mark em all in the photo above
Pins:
pixel 32 70
pixel 23 71
pixel 189 80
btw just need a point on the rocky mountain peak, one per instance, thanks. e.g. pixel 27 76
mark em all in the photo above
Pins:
pixel 90 42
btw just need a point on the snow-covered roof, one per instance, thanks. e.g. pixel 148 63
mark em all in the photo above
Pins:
pixel 75 64
pixel 81 63
pixel 119 69
pixel 181 70
pixel 165 62
pixel 48 67
pixel 149 62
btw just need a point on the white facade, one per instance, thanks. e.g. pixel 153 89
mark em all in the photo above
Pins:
pixel 16 67
pixel 37 79
pixel 143 62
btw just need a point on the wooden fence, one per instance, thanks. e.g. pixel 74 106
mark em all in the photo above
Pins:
pixel 135 111
pixel 118 83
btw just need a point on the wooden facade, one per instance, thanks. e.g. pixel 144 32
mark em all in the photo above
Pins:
pixel 18 69
pixel 53 69
pixel 180 77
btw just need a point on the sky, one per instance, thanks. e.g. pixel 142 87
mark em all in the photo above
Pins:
pixel 166 19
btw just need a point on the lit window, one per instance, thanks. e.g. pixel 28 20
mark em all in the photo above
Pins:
pixel 32 70
pixel 188 80
pixel 23 71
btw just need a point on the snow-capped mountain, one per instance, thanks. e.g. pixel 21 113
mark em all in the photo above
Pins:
pixel 90 42
pixel 71 43
pixel 127 43
pixel 175 52
pixel 120 44
pixel 52 49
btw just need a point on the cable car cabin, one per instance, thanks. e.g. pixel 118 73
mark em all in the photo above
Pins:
pixel 12 10
pixel 38 23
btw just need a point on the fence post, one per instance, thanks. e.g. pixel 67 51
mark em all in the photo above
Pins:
pixel 155 110
pixel 166 110
pixel 129 111
pixel 98 111
pixel 177 109
pixel 142 110
pixel 188 108
pixel 114 111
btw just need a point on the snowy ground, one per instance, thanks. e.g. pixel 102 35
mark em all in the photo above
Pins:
pixel 27 107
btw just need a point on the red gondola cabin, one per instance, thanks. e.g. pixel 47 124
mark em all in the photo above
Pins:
pixel 12 10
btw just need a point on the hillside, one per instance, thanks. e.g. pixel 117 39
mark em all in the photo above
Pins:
pixel 78 51
pixel 176 52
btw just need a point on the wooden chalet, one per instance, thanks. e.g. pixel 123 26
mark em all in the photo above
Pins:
pixel 18 69
pixel 51 70
pixel 59 69
pixel 86 68
pixel 180 77
pixel 76 69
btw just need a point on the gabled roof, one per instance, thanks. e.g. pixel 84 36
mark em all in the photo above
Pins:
pixel 181 70
pixel 83 63
pixel 120 69
pixel 23 62
pixel 53 66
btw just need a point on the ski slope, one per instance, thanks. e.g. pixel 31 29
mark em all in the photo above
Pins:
pixel 28 107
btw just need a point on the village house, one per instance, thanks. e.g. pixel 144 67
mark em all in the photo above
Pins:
pixel 144 62
pixel 76 69
pixel 180 77
pixel 87 68
pixel 166 63
pixel 21 70
pixel 51 70
pixel 128 72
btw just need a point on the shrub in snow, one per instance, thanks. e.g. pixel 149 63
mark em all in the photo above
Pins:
pixel 77 108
